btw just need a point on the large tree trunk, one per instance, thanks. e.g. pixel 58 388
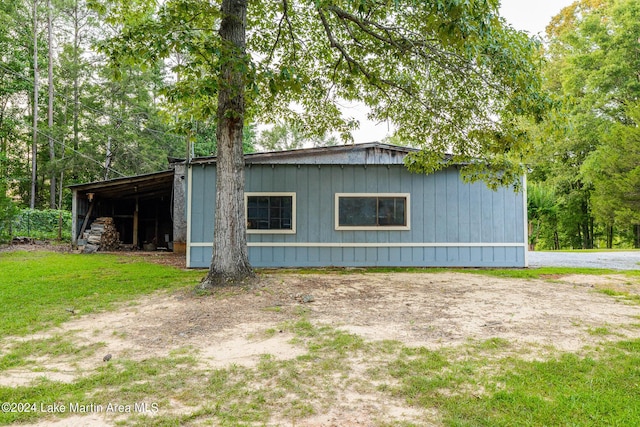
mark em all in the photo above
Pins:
pixel 34 143
pixel 76 83
pixel 52 151
pixel 230 262
pixel 4 155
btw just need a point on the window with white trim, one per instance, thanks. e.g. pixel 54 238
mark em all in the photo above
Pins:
pixel 270 212
pixel 372 211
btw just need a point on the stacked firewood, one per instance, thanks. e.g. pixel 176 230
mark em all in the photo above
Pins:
pixel 102 235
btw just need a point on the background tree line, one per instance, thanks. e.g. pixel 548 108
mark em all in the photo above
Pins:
pixel 93 121
pixel 584 187
pixel 100 121
pixel 88 124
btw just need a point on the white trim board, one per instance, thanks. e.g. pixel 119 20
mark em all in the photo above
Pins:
pixel 336 212
pixel 292 230
pixel 370 245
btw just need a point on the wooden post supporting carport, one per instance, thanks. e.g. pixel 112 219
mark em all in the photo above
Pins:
pixel 74 216
pixel 135 225
pixel 157 240
pixel 86 219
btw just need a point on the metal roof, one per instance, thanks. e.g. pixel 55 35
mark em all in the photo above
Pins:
pixel 141 186
pixel 367 154
pixel 161 183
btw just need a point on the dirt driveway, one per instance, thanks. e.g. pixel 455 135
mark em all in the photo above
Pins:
pixel 423 309
pixel 616 260
pixel 418 309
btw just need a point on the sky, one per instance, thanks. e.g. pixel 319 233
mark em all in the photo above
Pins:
pixel 531 16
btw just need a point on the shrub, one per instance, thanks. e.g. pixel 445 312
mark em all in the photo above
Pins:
pixel 42 224
pixel 8 212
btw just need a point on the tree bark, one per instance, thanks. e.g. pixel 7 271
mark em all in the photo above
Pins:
pixel 52 151
pixel 3 155
pixel 230 261
pixel 107 160
pixel 34 144
pixel 76 78
pixel 532 239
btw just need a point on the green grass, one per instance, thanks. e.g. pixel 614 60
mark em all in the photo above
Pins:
pixel 37 288
pixel 233 396
pixel 599 331
pixel 513 273
pixel 602 389
pixel 569 390
pixel 625 296
pixel 125 382
pixel 477 384
pixel 22 352
pixel 494 382
pixel 540 273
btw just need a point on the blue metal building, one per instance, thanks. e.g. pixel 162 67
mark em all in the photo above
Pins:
pixel 356 206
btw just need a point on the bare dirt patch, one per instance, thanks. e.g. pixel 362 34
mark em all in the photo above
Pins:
pixel 431 310
pixel 36 246
pixel 237 326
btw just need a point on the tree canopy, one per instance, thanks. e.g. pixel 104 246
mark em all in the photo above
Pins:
pixel 451 76
pixel 101 127
pixel 587 155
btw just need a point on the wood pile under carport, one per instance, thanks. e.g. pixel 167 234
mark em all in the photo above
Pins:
pixel 102 235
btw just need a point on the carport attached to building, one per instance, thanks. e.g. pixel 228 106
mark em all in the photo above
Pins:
pixel 141 207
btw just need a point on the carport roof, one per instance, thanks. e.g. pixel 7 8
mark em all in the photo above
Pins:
pixel 142 186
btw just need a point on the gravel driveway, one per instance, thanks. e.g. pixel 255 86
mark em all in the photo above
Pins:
pixel 615 260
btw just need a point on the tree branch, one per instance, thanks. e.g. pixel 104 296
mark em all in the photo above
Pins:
pixel 405 44
pixel 375 81
pixel 350 60
pixel 283 18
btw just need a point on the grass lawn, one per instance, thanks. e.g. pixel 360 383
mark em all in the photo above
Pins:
pixel 514 273
pixel 38 288
pixel 489 383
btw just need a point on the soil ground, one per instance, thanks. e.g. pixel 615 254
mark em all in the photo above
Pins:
pixel 615 259
pixel 419 309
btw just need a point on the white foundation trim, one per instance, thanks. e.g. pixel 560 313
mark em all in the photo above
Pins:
pixel 370 245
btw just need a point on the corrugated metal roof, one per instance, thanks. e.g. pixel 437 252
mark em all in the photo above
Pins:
pixel 141 186
pixel 153 184
pixel 373 153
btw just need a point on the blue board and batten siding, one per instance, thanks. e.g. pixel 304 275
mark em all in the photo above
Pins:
pixel 452 223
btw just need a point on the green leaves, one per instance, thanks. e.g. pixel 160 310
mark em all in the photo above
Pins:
pixel 586 152
pixel 447 73
pixel 614 171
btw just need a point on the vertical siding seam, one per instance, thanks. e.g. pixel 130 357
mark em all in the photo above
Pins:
pixel 189 199
pixel 460 183
pixel 469 188
pixel 525 219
